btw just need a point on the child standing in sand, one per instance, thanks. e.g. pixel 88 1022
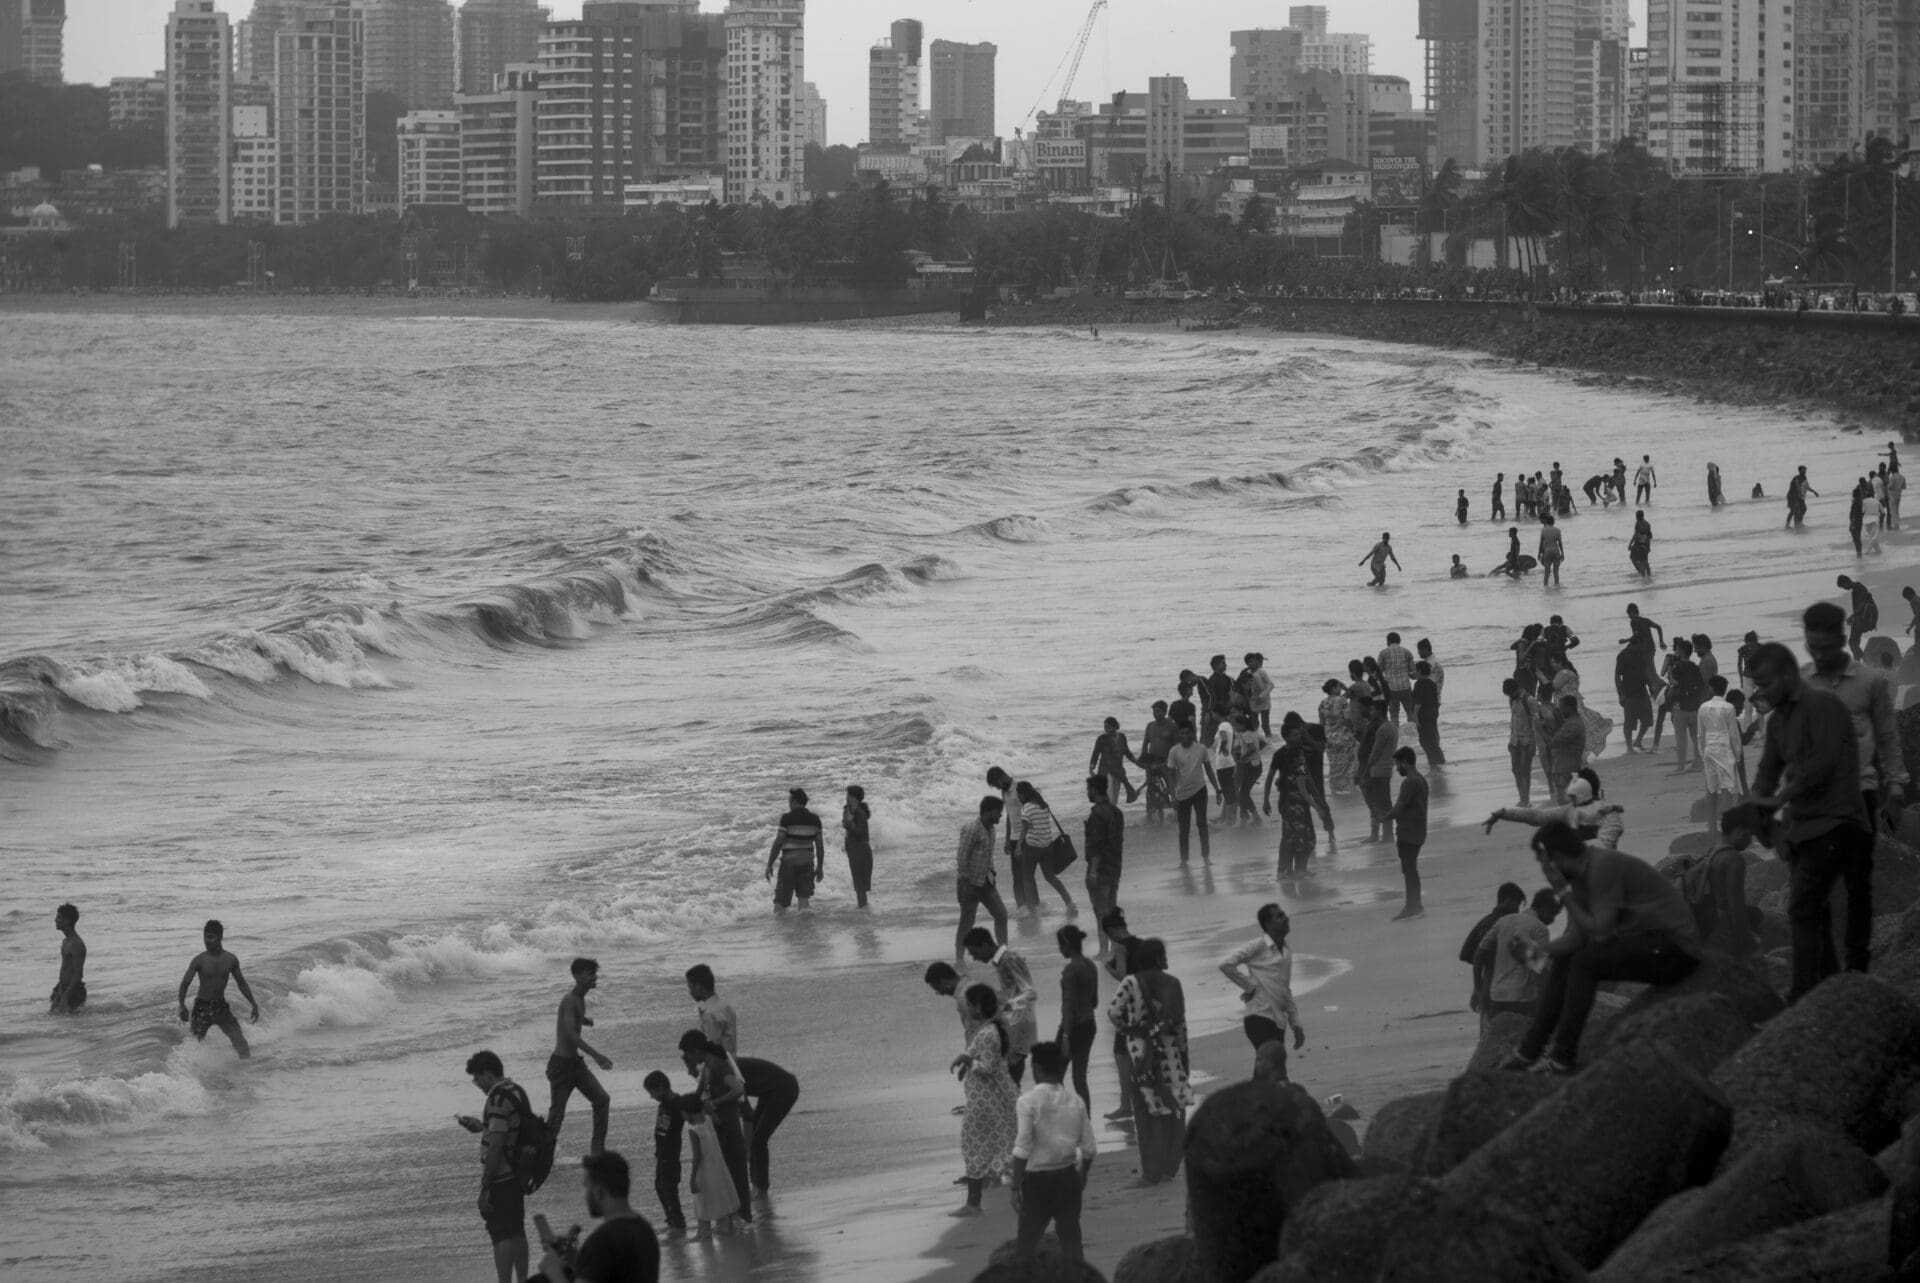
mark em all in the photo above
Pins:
pixel 714 1199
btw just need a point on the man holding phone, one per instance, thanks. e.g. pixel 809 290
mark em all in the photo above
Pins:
pixel 622 1249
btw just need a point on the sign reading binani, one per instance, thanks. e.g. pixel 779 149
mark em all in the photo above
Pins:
pixel 1060 153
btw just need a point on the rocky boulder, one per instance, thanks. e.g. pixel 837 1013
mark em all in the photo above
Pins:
pixel 1398 1134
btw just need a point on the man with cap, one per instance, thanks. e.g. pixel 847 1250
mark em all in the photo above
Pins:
pixel 1598 822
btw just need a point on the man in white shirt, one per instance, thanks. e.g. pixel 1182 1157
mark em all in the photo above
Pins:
pixel 717 1020
pixel 1717 726
pixel 1053 1150
pixel 1515 985
pixel 1191 770
pixel 1263 969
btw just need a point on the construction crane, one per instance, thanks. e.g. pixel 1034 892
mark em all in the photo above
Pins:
pixel 1071 61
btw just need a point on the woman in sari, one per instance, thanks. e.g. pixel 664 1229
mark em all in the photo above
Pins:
pixel 1335 721
pixel 1300 798
pixel 987 1131
pixel 1150 1008
pixel 1566 681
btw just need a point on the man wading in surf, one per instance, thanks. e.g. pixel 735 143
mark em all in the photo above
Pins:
pixel 215 967
pixel 1382 553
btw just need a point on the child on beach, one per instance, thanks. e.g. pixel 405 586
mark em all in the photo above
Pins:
pixel 714 1199
pixel 667 1129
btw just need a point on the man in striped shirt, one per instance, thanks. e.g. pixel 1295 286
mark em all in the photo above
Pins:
pixel 801 851
pixel 1396 666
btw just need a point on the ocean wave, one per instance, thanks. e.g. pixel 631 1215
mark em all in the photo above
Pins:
pixel 34 1114
pixel 1017 528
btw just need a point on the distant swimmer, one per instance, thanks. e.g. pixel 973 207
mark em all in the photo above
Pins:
pixel 1499 510
pixel 1597 491
pixel 1620 478
pixel 70 994
pixel 1798 488
pixel 1644 481
pixel 215 967
pixel 1759 491
pixel 1460 508
pixel 1380 555
pixel 1552 551
pixel 1716 497
pixel 567 1067
pixel 1512 565
pixel 1459 570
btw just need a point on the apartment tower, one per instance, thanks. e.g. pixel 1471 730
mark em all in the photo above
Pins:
pixel 409 51
pixel 963 90
pixel 490 34
pixel 893 86
pixel 766 100
pixel 320 114
pixel 199 83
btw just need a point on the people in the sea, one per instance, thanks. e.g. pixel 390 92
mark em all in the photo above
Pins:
pixel 214 967
pixel 1553 551
pixel 1190 766
pixel 1512 564
pixel 1380 554
pixel 800 849
pixel 1457 571
pixel 70 990
pixel 1640 546
pixel 855 823
pixel 1460 508
pixel 567 1070
pixel 1644 481
pixel 1109 757
pixel 1498 512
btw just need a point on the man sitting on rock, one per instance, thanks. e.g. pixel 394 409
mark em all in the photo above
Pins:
pixel 1624 922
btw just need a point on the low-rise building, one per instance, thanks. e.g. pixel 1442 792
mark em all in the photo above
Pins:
pixel 693 190
pixel 137 102
pixel 1323 196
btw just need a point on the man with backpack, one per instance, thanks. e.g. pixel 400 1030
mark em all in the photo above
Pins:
pixel 510 1134
pixel 1715 884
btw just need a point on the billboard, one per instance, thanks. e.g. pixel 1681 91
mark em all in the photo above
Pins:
pixel 1060 153
pixel 1398 182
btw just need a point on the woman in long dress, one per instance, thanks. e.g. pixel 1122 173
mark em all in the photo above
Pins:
pixel 987 1132
pixel 1335 722
pixel 1150 1008
pixel 1300 798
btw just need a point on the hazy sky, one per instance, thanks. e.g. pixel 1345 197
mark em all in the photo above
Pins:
pixel 1132 40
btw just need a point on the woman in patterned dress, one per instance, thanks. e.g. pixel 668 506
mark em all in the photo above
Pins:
pixel 1334 720
pixel 987 1133
pixel 1300 797
pixel 1150 1008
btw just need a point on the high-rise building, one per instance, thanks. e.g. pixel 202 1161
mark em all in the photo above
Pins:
pixel 963 90
pixel 766 81
pixel 137 102
pixel 893 86
pixel 32 38
pixel 1600 58
pixel 253 56
pixel 1637 95
pixel 1526 78
pixel 1345 53
pixel 628 92
pixel 490 34
pixel 497 136
pixel 199 79
pixel 320 114
pixel 254 174
pixel 1720 89
pixel 816 115
pixel 1845 75
pixel 409 51
pixel 1264 62
pixel 429 158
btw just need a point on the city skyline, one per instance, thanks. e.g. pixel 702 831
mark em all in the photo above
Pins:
pixel 1133 40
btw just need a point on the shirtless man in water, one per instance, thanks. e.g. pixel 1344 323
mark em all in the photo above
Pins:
pixel 566 1068
pixel 215 967
pixel 70 994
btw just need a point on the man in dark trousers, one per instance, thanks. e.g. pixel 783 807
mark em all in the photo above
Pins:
pixel 773 1092
pixel 1811 766
pixel 1409 817
pixel 668 1127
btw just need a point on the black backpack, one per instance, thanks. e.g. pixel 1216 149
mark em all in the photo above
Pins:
pixel 530 1145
